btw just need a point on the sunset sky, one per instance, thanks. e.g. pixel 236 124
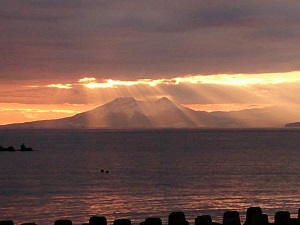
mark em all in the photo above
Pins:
pixel 59 58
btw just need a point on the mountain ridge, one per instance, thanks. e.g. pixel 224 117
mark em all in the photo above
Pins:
pixel 292 125
pixel 129 113
pixel 122 113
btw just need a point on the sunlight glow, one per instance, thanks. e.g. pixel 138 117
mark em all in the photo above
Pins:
pixel 240 79
pixel 15 112
pixel 219 92
pixel 109 84
pixel 153 83
pixel 87 80
pixel 60 86
pixel 32 110
pixel 218 79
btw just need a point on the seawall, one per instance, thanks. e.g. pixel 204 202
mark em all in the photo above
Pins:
pixel 254 216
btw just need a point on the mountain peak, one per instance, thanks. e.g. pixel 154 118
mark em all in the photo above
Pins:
pixel 164 99
pixel 128 113
pixel 165 102
pixel 125 113
pixel 121 101
pixel 124 99
pixel 130 100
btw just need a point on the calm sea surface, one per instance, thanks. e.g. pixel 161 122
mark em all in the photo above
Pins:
pixel 151 173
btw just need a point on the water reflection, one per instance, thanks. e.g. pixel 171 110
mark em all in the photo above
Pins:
pixel 187 172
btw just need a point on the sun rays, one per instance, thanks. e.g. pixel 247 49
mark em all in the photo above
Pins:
pixel 219 92
pixel 219 79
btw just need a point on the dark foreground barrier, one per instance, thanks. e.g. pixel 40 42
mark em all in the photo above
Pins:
pixel 153 221
pixel 177 218
pixel 63 222
pixel 97 220
pixel 254 216
pixel 28 224
pixel 6 222
pixel 260 219
pixel 252 211
pixel 231 218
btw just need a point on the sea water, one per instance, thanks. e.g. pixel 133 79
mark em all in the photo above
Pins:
pixel 135 174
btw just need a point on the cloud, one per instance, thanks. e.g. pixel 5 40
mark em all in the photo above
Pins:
pixel 62 86
pixel 259 89
pixel 14 113
pixel 218 79
pixel 146 39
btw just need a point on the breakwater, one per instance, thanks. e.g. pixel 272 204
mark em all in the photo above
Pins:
pixel 254 216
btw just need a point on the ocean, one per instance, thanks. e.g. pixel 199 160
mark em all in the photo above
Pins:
pixel 135 174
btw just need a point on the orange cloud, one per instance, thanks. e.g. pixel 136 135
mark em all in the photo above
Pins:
pixel 61 86
pixel 14 113
pixel 208 93
pixel 219 79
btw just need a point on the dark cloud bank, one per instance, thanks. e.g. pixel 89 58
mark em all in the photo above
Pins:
pixel 146 39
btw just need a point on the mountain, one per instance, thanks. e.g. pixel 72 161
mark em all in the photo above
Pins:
pixel 128 113
pixel 125 113
pixel 293 125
